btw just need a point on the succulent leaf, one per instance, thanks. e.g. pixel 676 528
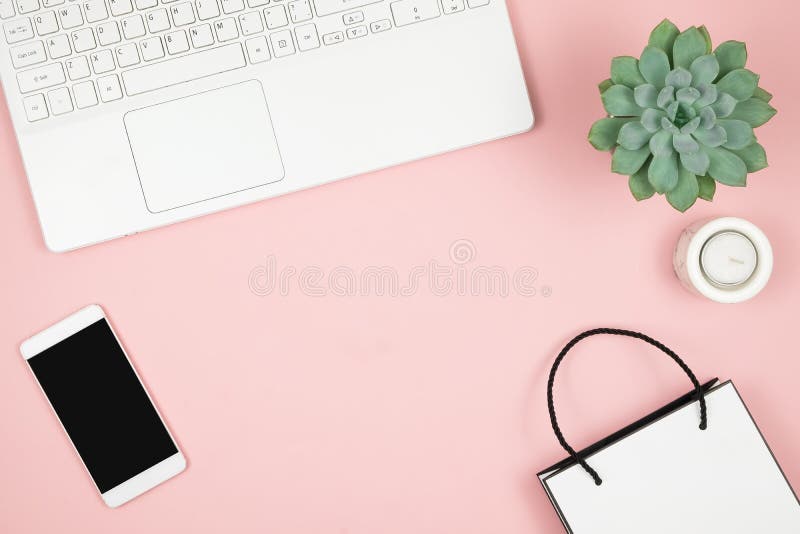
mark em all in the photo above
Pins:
pixel 663 172
pixel 708 95
pixel 646 96
pixel 604 133
pixel 681 118
pixel 654 66
pixel 707 118
pixel 740 134
pixel 714 137
pixel 688 95
pixel 707 187
pixel 628 162
pixel 704 32
pixel 697 163
pixel 679 78
pixel 661 143
pixel 651 119
pixel 755 112
pixel 754 157
pixel 726 167
pixel 724 105
pixel 663 36
pixel 685 193
pixel 732 55
pixel 633 136
pixel 689 46
pixel 684 143
pixel 625 71
pixel 639 185
pixel 704 69
pixel 739 83
pixel 619 102
pixel 761 94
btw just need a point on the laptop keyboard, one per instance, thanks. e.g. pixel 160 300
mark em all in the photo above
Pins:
pixel 72 55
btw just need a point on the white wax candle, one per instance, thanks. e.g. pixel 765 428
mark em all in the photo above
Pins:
pixel 729 259
pixel 726 259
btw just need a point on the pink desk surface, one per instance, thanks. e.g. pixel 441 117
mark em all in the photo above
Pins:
pixel 422 413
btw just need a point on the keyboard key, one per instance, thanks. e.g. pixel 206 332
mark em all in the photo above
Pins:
pixel 201 36
pixel 27 6
pixel 282 44
pixel 452 6
pixel 70 16
pixel 257 49
pixel 133 27
pixel 52 3
pixel 251 23
pixel 120 7
pixel 300 11
pixel 353 18
pixel 28 54
pixel 307 37
pixel 95 10
pixel 60 101
pixel 46 23
pixel 157 20
pixel 102 61
pixel 207 9
pixel 108 33
pixel 410 11
pixel 182 14
pixel 226 30
pixel 35 108
pixel 333 38
pixel 477 3
pixel 85 97
pixel 177 42
pixel 380 26
pixel 7 9
pixel 183 69
pixel 58 46
pixel 127 55
pixel 232 6
pixel 83 40
pixel 40 78
pixel 146 4
pixel 152 49
pixel 109 88
pixel 18 30
pixel 257 3
pixel 275 17
pixel 77 67
pixel 356 32
pixel 328 7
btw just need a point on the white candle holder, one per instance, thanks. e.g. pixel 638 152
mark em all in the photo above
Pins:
pixel 726 260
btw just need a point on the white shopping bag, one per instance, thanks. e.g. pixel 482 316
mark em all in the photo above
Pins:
pixel 698 465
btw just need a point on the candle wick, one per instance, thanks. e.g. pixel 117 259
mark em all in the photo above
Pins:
pixel 734 260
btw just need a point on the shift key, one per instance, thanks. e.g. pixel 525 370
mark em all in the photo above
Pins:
pixel 40 78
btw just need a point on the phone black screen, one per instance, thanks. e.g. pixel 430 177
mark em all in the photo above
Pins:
pixel 102 405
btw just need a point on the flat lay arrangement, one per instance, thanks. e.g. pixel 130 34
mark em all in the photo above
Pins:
pixel 373 355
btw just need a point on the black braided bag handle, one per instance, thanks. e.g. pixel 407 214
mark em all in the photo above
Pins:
pixel 616 332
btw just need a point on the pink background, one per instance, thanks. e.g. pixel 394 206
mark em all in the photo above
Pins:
pixel 419 414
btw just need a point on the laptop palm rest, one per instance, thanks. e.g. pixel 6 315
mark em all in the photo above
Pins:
pixel 204 146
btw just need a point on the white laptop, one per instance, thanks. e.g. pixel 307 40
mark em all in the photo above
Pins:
pixel 133 114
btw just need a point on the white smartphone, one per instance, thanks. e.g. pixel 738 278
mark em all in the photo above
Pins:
pixel 103 406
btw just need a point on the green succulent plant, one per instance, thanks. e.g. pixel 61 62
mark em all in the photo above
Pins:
pixel 681 117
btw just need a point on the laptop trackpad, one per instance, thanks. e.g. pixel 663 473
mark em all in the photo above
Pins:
pixel 204 146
